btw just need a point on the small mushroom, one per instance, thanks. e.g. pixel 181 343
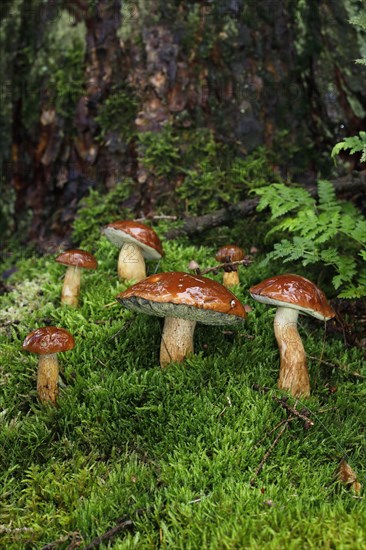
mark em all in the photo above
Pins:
pixel 47 342
pixel 292 294
pixel 75 260
pixel 183 300
pixel 227 254
pixel 136 242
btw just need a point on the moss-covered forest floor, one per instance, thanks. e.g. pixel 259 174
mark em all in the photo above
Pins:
pixel 175 451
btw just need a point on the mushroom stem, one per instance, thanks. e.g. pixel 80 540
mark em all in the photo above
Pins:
pixel 230 278
pixel 176 341
pixel 71 286
pixel 131 263
pixel 294 376
pixel 47 378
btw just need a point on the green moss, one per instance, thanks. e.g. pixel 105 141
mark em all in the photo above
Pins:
pixel 117 114
pixel 181 442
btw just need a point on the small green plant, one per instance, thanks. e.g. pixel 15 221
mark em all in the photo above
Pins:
pixel 324 232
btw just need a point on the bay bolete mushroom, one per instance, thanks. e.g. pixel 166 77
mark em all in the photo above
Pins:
pixel 227 254
pixel 183 300
pixel 292 294
pixel 136 242
pixel 75 260
pixel 47 342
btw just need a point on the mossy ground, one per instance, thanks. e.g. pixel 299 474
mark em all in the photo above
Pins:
pixel 179 443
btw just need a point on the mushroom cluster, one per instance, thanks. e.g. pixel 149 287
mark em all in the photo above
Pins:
pixel 183 300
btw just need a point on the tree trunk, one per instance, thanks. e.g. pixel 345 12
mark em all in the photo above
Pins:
pixel 274 73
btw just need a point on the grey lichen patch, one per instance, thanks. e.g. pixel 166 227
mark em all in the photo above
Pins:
pixel 23 300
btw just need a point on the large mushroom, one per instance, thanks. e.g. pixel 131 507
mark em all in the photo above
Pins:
pixel 47 342
pixel 136 242
pixel 75 260
pixel 183 300
pixel 292 294
pixel 227 254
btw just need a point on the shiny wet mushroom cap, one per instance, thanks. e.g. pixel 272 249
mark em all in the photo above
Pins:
pixel 183 300
pixel 136 242
pixel 292 294
pixel 47 342
pixel 295 292
pixel 75 260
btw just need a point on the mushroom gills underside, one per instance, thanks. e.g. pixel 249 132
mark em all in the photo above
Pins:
pixel 191 313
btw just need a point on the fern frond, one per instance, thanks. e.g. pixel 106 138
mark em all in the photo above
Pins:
pixel 282 199
pixel 326 194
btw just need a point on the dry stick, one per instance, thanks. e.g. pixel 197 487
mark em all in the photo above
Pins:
pixel 288 419
pixel 123 523
pixel 283 402
pixel 270 450
pixel 246 261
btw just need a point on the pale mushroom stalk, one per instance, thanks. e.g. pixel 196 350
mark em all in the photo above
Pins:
pixel 294 376
pixel 47 378
pixel 230 278
pixel 131 263
pixel 75 260
pixel 71 287
pixel 176 341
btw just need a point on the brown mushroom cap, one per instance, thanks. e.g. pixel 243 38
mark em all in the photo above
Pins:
pixel 48 340
pixel 77 258
pixel 231 253
pixel 293 291
pixel 184 296
pixel 121 232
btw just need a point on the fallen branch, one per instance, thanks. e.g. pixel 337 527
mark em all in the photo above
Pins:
pixel 227 266
pixel 356 181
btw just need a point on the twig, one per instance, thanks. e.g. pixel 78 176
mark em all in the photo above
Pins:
pixel 124 327
pixel 289 419
pixel 122 523
pixel 269 451
pixel 283 402
pixel 227 266
pixel 75 540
